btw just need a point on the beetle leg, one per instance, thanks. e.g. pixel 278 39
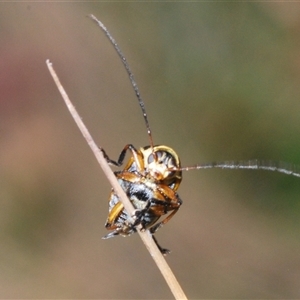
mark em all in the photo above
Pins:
pixel 161 249
pixel 169 205
pixel 110 235
pixel 113 215
pixel 121 156
pixel 154 228
pixel 139 213
pixel 110 161
pixel 126 230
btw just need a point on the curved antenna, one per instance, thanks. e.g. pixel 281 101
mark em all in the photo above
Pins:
pixel 253 164
pixel 133 83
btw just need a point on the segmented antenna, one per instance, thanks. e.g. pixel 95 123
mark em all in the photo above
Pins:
pixel 133 83
pixel 254 164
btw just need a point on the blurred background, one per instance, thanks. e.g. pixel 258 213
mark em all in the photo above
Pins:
pixel 220 81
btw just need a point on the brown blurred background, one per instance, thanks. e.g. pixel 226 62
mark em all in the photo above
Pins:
pixel 220 82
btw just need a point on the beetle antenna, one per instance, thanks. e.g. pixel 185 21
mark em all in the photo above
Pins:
pixel 131 78
pixel 253 164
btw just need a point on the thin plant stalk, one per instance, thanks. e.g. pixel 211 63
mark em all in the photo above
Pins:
pixel 145 236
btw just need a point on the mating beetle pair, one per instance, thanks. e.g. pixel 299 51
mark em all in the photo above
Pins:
pixel 153 174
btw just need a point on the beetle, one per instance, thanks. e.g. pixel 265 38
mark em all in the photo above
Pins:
pixel 153 174
pixel 151 184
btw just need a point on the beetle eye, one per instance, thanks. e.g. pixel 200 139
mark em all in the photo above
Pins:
pixel 159 154
pixel 158 157
pixel 150 159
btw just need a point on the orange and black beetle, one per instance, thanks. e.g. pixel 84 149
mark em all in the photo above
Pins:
pixel 150 184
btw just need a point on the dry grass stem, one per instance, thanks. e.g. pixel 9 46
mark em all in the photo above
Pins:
pixel 145 236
